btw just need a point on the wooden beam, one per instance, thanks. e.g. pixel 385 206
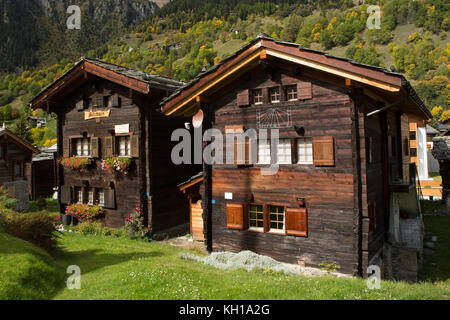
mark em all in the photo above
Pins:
pixel 219 78
pixel 333 70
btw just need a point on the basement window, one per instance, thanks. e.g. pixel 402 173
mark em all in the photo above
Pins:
pixel 276 219
pixel 256 217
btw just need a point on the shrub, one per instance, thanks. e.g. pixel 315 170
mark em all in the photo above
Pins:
pixel 134 224
pixel 84 212
pixel 97 229
pixel 37 228
pixel 90 228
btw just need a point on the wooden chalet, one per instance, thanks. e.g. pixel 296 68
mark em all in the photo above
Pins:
pixel 15 159
pixel 107 111
pixel 345 181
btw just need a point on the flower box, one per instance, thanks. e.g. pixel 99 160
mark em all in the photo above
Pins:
pixel 75 163
pixel 118 165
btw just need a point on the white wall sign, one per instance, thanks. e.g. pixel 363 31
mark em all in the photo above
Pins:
pixel 228 196
pixel 124 128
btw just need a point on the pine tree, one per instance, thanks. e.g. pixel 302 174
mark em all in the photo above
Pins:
pixel 22 129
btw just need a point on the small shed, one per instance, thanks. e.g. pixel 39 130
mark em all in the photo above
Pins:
pixel 192 189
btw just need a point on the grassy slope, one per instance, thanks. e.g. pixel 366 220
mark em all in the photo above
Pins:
pixel 437 268
pixel 124 269
pixel 26 272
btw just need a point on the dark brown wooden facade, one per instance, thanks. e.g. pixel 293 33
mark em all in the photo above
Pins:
pixel 335 206
pixel 90 101
pixel 15 158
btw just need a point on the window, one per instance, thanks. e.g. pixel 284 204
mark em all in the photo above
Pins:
pixel 256 216
pixel 91 197
pixel 257 96
pixel 18 170
pixel 284 151
pixel 263 152
pixel 124 146
pixel 82 147
pixel 107 102
pixel 413 152
pixel 291 93
pixel 79 195
pixel 101 198
pixel 275 95
pixel 276 218
pixel 412 135
pixel 2 152
pixel 305 151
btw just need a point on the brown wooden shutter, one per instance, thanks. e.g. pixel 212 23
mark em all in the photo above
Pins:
pixel 116 101
pixel 66 147
pixel 66 194
pixel 110 198
pixel 243 98
pixel 95 145
pixel 108 150
pixel 323 151
pixel 135 146
pixel 304 90
pixel 235 216
pixel 297 222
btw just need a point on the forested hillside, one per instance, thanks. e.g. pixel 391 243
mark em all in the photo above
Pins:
pixel 187 36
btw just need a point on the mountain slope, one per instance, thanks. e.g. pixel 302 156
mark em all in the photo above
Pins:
pixel 35 31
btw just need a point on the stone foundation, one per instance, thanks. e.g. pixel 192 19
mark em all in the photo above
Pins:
pixel 19 190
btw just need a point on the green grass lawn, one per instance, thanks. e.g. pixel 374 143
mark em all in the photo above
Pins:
pixel 26 272
pixel 118 268
pixel 437 266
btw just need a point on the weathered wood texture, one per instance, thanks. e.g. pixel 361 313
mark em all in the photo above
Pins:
pixel 13 154
pixel 153 178
pixel 328 191
pixel 44 179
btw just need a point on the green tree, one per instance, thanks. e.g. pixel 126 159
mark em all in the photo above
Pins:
pixel 22 129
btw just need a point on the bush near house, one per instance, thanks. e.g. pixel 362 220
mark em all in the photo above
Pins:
pixel 37 228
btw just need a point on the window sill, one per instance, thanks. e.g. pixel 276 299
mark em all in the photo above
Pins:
pixel 256 230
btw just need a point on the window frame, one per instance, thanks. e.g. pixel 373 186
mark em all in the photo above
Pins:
pixel 268 146
pixel 271 93
pixel 22 171
pixel 269 214
pixel 288 150
pixel 117 140
pixel 295 87
pixel 74 143
pixel 256 229
pixel 304 140
pixel 254 96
